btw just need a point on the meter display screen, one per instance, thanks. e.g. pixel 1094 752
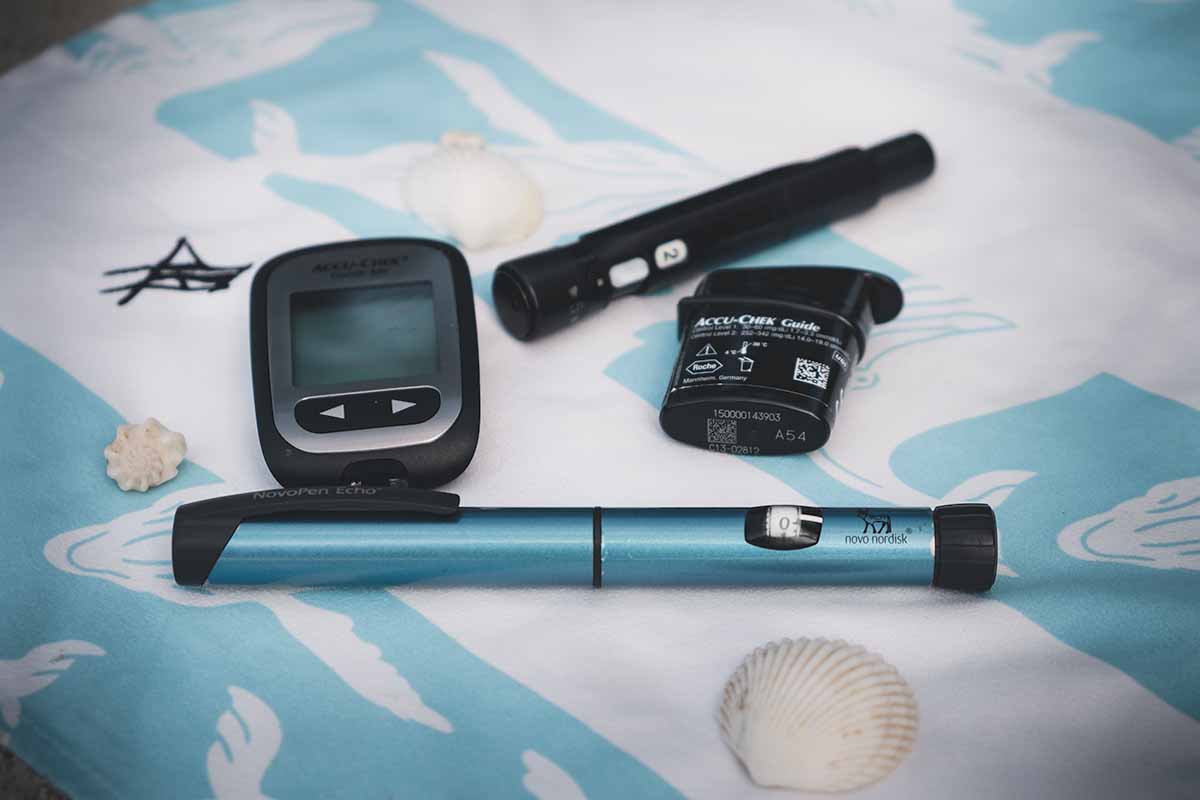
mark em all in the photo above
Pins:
pixel 363 334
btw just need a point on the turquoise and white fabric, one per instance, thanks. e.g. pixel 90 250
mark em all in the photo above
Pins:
pixel 1046 362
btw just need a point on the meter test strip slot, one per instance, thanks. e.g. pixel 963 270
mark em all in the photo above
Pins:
pixel 367 536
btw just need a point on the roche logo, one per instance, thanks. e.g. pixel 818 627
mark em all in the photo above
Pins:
pixel 705 366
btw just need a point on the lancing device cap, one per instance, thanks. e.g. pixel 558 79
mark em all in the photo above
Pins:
pixel 966 549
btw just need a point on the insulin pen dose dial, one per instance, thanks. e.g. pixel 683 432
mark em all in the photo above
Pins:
pixel 783 527
pixel 366 351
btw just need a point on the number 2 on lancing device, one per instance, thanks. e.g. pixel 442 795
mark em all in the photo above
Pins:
pixel 668 254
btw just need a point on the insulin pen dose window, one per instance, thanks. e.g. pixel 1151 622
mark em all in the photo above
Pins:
pixel 363 334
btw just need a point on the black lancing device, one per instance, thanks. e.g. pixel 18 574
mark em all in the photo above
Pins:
pixel 545 291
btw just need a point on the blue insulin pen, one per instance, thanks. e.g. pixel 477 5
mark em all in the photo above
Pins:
pixel 385 536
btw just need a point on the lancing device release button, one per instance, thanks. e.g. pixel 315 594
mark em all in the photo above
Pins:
pixel 668 254
pixel 628 272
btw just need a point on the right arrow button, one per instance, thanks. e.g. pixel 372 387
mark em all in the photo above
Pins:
pixel 406 406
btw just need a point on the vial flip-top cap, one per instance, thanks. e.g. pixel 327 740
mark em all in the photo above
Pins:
pixel 966 547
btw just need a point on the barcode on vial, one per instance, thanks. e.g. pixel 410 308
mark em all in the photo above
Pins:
pixel 814 373
pixel 722 431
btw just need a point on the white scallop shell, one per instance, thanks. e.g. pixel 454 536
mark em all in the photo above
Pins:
pixel 144 455
pixel 817 715
pixel 474 195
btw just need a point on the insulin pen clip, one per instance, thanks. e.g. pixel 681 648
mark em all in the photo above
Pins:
pixel 386 536
pixel 202 530
pixel 545 291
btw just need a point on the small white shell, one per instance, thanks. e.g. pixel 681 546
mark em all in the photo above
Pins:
pixel 144 455
pixel 817 715
pixel 478 197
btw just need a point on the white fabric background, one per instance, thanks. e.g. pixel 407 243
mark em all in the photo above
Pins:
pixel 1064 220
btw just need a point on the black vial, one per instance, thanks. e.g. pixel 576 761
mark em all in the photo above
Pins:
pixel 766 353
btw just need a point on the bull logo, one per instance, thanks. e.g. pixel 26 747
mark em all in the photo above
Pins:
pixel 874 521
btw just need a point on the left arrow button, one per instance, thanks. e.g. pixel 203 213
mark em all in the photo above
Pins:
pixel 326 414
pixel 337 412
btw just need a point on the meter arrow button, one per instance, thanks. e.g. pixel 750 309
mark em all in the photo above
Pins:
pixel 410 406
pixel 325 414
pixel 393 407
pixel 364 410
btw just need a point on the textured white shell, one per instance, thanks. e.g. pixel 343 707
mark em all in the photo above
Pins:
pixel 144 455
pixel 478 197
pixel 817 715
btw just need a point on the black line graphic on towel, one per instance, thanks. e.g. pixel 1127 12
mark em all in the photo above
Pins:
pixel 196 276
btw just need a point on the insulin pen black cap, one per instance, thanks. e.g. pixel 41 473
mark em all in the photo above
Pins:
pixel 966 548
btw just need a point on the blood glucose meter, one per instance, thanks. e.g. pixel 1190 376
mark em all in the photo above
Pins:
pixel 365 364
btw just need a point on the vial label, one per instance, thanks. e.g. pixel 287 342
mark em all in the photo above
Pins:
pixel 793 354
pixel 745 382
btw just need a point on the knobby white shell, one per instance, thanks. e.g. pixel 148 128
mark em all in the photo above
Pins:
pixel 478 197
pixel 144 455
pixel 817 715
